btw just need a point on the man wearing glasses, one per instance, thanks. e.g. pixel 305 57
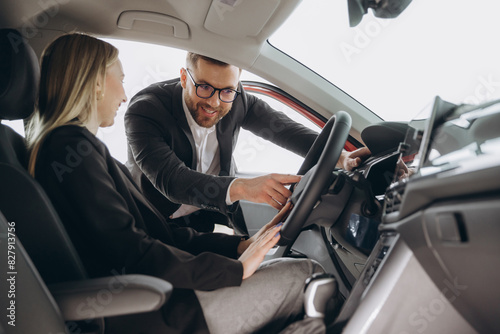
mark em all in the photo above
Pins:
pixel 181 135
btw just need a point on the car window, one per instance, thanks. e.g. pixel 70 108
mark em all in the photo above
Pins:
pixel 396 67
pixel 144 64
pixel 256 155
pixel 17 125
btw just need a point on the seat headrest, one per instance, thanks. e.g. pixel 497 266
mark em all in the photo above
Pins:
pixel 19 76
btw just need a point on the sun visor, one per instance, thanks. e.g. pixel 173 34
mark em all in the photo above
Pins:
pixel 153 22
pixel 238 18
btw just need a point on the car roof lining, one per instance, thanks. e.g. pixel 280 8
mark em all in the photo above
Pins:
pixel 251 52
pixel 237 24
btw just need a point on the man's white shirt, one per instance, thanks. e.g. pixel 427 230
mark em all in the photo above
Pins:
pixel 207 156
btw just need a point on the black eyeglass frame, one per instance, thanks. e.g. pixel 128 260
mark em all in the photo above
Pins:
pixel 196 85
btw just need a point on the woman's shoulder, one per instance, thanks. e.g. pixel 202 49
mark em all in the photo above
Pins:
pixel 68 149
pixel 70 130
pixel 73 137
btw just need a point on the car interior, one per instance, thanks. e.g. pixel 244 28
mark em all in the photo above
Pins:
pixel 410 237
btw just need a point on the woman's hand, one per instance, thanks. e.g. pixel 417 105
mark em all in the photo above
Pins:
pixel 253 256
pixel 255 249
pixel 280 217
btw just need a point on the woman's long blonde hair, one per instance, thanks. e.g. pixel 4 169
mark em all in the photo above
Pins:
pixel 71 67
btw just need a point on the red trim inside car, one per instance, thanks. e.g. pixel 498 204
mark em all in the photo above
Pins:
pixel 294 105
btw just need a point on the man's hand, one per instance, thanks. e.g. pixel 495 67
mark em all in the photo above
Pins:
pixel 268 189
pixel 254 249
pixel 403 170
pixel 350 160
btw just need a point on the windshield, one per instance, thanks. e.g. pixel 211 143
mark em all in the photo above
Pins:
pixel 396 67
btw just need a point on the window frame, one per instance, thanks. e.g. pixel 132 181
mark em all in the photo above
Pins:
pixel 291 102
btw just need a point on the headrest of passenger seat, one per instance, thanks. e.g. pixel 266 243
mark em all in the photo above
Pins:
pixel 19 76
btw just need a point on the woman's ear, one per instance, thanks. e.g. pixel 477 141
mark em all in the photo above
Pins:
pixel 99 90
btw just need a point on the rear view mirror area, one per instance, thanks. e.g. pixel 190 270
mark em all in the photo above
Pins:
pixel 386 9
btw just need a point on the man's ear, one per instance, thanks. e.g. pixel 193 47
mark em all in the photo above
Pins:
pixel 183 75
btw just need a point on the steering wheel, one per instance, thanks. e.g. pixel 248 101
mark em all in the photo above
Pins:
pixel 308 191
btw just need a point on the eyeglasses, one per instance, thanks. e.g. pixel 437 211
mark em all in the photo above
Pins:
pixel 206 91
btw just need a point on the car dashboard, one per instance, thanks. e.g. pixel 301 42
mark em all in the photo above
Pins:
pixel 435 265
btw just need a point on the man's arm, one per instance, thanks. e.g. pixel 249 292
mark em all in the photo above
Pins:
pixel 148 125
pixel 275 126
pixel 270 189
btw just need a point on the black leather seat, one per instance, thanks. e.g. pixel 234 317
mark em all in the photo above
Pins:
pixel 23 283
pixel 24 203
pixel 22 200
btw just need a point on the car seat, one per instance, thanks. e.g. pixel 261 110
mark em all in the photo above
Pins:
pixel 50 258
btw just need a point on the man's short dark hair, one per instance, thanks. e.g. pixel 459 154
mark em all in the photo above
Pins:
pixel 193 58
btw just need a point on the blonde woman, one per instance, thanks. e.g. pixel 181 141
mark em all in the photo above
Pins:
pixel 216 277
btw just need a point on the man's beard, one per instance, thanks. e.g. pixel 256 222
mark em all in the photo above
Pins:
pixel 198 115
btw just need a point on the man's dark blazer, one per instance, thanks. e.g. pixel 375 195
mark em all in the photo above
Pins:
pixel 115 229
pixel 162 155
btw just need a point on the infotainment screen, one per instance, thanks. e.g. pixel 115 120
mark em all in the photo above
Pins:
pixel 413 153
pixel 445 136
pixel 414 150
pixel 468 138
pixel 446 140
